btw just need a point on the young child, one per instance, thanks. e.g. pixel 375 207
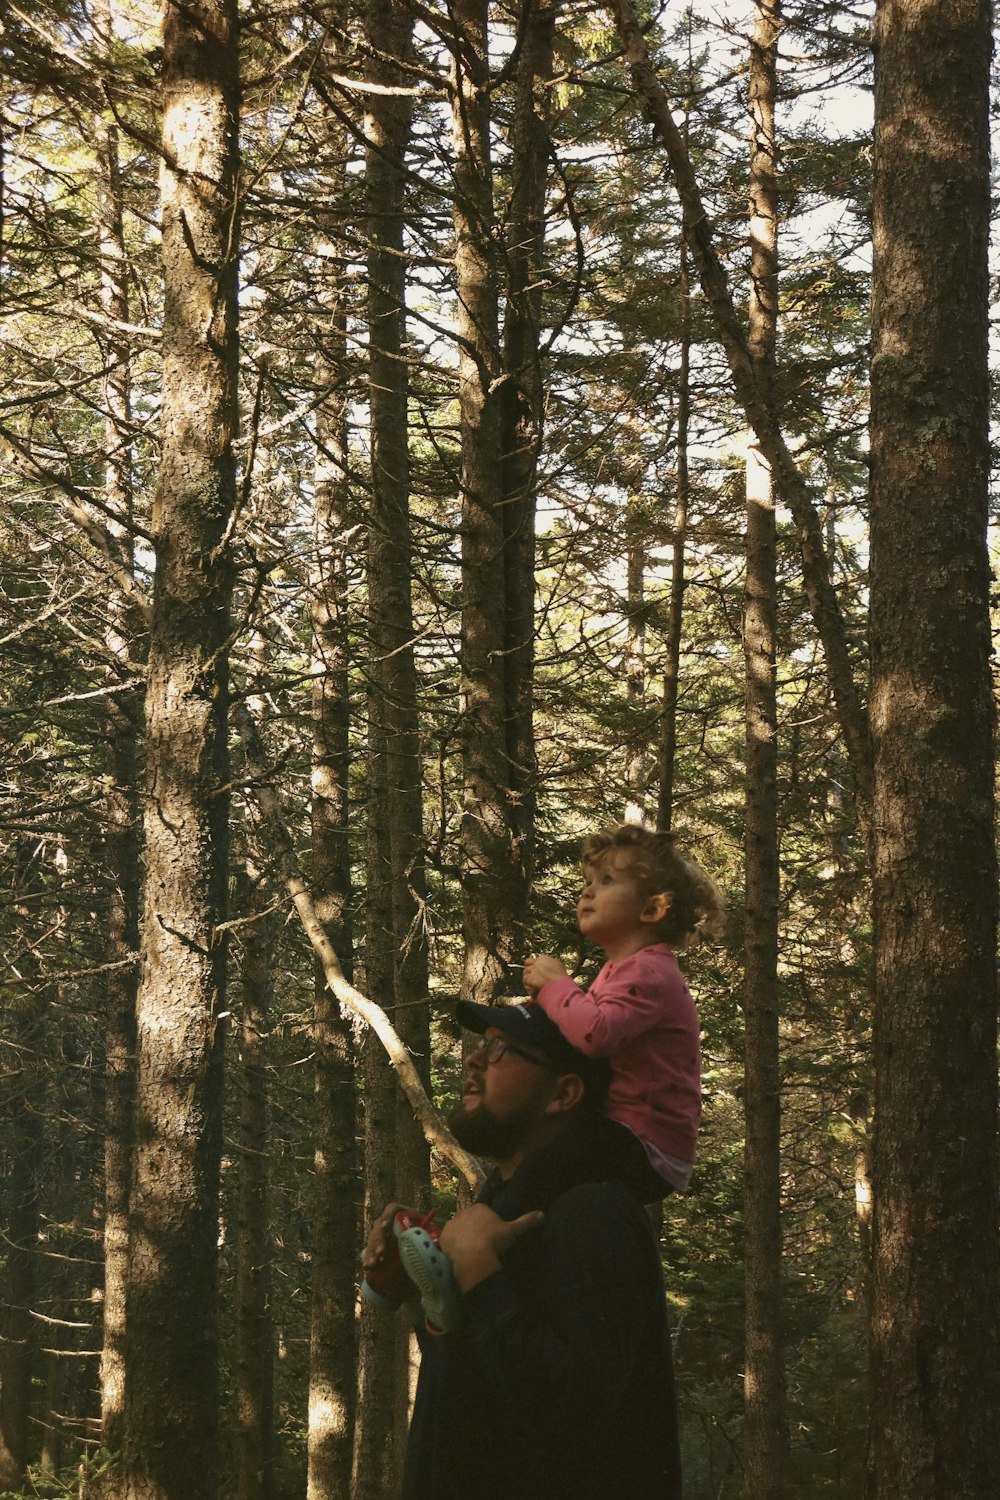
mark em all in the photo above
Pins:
pixel 640 901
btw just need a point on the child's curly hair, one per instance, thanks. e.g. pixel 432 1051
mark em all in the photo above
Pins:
pixel 698 907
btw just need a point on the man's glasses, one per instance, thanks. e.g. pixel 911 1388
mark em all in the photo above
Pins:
pixel 492 1050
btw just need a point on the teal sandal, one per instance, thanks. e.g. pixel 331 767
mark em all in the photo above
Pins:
pixel 430 1271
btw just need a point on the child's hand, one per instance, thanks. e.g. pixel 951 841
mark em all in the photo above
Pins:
pixel 541 970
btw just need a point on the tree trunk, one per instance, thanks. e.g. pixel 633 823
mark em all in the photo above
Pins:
pixel 334 1248
pixel 764 1436
pixel 488 878
pixel 21 1235
pixel 122 944
pixel 381 1422
pixel 393 702
pixel 69 1169
pixel 253 1437
pixel 378 1454
pixel 122 805
pixel 22 1112
pixel 675 625
pixel 172 1389
pixel 521 419
pixel 397 1159
pixel 847 918
pixel 635 658
pixel 935 1347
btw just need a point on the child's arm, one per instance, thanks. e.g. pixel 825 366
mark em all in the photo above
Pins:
pixel 629 1003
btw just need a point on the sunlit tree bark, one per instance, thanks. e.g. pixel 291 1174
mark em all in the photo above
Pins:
pixel 172 1389
pixel 124 642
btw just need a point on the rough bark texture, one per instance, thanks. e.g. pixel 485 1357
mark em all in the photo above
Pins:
pixel 122 812
pixel 823 603
pixel 935 1365
pixel 397 941
pixel 378 1452
pixel 253 1434
pixel 393 699
pixel 488 885
pixel 172 1394
pixel 332 1358
pixel 124 638
pixel 764 1437
pixel 521 419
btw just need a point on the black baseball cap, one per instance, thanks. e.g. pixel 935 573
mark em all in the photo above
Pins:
pixel 528 1023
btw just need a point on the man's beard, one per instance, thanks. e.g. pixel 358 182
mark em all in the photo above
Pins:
pixel 484 1133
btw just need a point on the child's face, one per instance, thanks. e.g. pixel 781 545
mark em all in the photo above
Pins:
pixel 612 911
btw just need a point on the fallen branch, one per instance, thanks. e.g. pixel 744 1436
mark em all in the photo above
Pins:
pixel 437 1134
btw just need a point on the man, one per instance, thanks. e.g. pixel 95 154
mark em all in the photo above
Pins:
pixel 556 1382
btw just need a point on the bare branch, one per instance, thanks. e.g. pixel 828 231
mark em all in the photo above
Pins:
pixel 435 1131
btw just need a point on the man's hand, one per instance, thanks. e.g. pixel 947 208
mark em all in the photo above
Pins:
pixel 541 970
pixel 476 1239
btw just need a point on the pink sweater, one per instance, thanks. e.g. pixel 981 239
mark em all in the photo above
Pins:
pixel 640 1014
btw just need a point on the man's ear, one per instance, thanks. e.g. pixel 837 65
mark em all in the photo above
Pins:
pixel 567 1091
pixel 656 907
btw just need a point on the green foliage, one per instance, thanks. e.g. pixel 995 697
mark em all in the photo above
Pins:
pixel 91 1477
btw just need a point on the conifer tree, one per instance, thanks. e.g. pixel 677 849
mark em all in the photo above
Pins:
pixel 764 1437
pixel 935 1342
pixel 171 1311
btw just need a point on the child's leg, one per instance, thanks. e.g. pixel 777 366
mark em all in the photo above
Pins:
pixel 632 1166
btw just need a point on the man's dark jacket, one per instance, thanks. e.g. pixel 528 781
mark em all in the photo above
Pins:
pixel 557 1384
